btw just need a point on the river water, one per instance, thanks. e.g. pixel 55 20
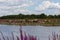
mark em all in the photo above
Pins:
pixel 42 32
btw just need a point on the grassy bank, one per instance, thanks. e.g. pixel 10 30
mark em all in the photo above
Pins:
pixel 42 22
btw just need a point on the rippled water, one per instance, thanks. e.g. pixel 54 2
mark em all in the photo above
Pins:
pixel 42 32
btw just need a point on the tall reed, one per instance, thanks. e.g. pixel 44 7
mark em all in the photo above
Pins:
pixel 22 36
pixel 17 38
pixel 12 35
pixel 2 35
pixel 7 38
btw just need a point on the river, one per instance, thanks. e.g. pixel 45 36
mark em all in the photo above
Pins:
pixel 42 32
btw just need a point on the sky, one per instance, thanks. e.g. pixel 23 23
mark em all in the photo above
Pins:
pixel 14 7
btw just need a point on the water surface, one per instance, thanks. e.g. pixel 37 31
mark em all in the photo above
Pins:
pixel 42 32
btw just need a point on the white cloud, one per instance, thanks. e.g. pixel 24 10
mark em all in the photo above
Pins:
pixel 47 4
pixel 15 7
pixel 13 12
pixel 2 0
pixel 16 2
pixel 9 0
pixel 25 5
pixel 56 5
pixel 9 7
pixel 44 5
pixel 6 10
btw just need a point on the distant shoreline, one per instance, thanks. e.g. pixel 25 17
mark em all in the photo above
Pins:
pixel 31 22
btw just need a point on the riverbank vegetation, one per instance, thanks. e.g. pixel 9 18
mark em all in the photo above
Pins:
pixel 21 19
pixel 32 16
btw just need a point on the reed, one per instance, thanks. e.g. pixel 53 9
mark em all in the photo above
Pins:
pixel 54 36
pixel 25 37
pixel 0 38
pixel 7 38
pixel 12 35
pixel 17 38
pixel 22 36
pixel 2 35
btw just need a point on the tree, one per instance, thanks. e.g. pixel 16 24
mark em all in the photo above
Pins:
pixel 50 16
pixel 43 15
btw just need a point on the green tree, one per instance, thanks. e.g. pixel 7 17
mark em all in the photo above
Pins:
pixel 42 15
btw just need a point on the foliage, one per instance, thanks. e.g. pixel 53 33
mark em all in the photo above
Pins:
pixel 32 16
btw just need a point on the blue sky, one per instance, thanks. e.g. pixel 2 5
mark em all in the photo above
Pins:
pixel 12 7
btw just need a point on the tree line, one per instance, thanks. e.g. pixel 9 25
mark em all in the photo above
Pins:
pixel 32 16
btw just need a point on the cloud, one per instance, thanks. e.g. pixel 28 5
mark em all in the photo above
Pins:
pixel 2 0
pixel 9 7
pixel 15 2
pixel 47 4
pixel 55 5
